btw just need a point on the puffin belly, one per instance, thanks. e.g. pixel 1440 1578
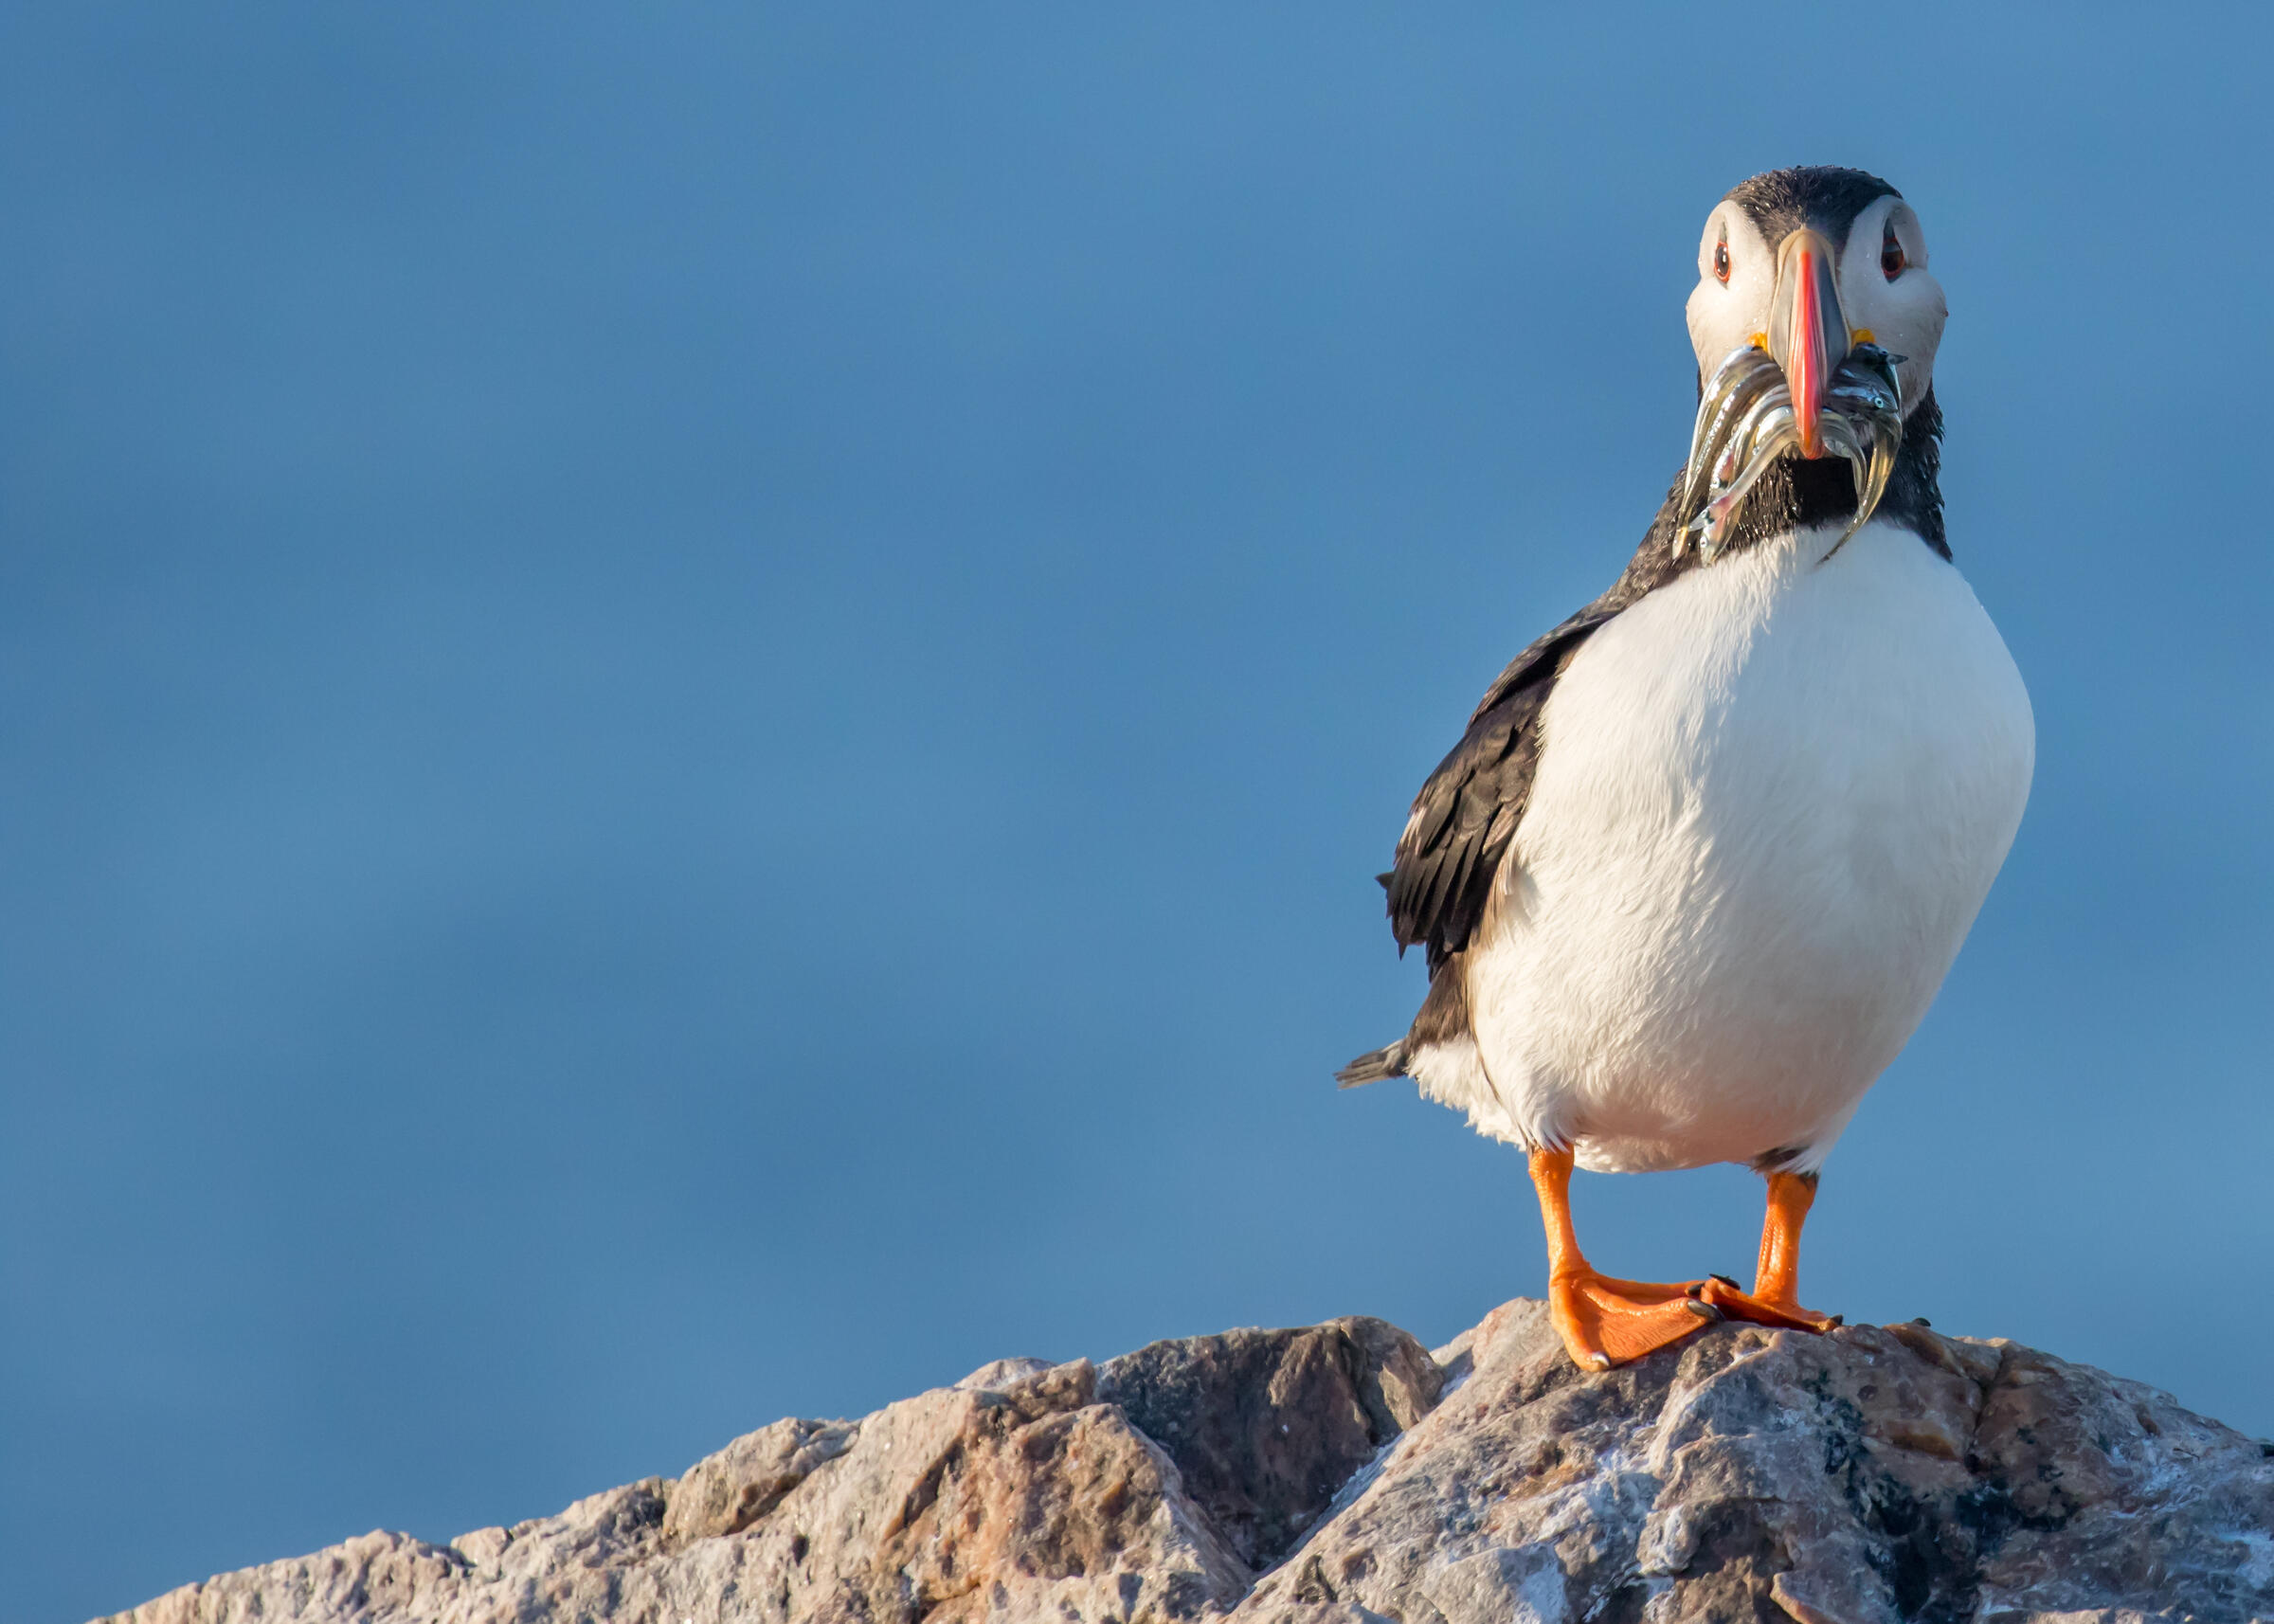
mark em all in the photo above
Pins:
pixel 1770 798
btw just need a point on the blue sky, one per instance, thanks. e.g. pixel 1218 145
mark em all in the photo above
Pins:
pixel 696 705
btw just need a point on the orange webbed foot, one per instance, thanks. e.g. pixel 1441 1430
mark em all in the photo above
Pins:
pixel 1606 1322
pixel 1760 1308
pixel 1775 1299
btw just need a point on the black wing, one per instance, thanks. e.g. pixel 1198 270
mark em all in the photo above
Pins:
pixel 1466 813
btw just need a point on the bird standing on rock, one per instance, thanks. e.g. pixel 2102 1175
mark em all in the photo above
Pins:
pixel 1694 872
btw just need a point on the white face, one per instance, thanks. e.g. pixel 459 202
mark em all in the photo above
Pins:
pixel 1902 313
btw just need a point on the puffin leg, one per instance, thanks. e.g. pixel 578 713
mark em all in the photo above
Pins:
pixel 1775 1299
pixel 1605 1322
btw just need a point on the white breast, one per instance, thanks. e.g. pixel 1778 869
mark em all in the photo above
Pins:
pixel 1770 801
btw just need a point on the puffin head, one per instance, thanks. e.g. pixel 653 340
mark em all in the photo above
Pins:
pixel 1816 322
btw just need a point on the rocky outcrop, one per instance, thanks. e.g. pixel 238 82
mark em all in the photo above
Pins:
pixel 1342 1472
pixel 1867 1476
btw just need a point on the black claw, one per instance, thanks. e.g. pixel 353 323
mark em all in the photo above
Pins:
pixel 1838 1320
pixel 1726 1281
pixel 1706 1312
pixel 1694 1291
pixel 1922 1320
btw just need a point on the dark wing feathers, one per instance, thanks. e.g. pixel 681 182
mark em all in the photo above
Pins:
pixel 1466 813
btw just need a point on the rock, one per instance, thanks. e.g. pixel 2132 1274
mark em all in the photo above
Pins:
pixel 1341 1472
pixel 730 1491
pixel 1865 1477
pixel 1266 1426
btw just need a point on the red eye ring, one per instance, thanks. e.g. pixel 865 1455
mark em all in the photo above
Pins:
pixel 1893 261
pixel 1721 259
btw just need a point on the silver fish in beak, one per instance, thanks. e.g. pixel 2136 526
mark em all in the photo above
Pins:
pixel 1810 389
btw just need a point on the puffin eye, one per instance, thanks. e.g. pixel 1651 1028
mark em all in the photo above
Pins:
pixel 1721 259
pixel 1892 261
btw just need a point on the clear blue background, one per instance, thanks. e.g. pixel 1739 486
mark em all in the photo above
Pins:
pixel 696 704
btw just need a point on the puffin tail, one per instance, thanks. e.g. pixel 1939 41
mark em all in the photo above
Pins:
pixel 1380 1066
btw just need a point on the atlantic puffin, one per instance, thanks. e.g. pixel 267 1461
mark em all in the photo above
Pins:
pixel 1707 850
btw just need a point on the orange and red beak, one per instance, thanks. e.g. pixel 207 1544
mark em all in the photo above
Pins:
pixel 1808 331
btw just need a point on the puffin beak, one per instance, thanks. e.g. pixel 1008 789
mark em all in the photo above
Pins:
pixel 1808 331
